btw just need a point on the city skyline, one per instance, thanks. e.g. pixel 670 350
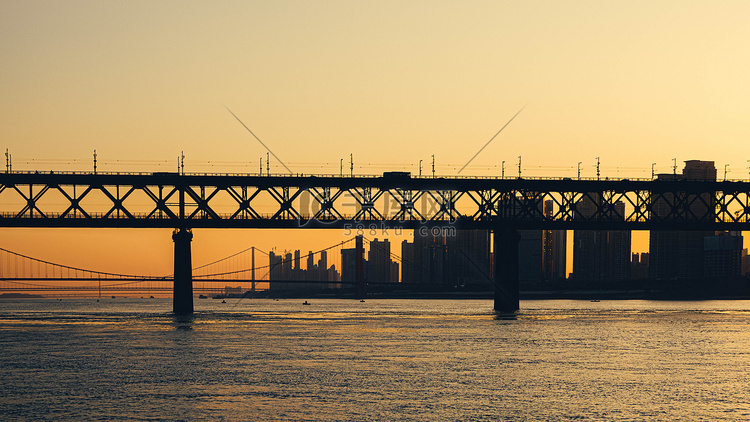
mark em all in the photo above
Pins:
pixel 467 175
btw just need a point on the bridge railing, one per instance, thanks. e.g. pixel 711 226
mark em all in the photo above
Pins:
pixel 333 175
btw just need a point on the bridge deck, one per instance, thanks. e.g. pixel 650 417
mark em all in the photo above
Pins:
pixel 171 200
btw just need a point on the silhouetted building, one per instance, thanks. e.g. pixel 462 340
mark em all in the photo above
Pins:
pixel 333 278
pixel 286 275
pixel 348 265
pixel 275 271
pixel 530 251
pixel 322 269
pixel 554 251
pixel 677 253
pixel 379 262
pixel 310 262
pixel 723 255
pixel 429 259
pixel 530 242
pixel 274 263
pixel 394 272
pixel 639 265
pixel 467 255
pixel 699 170
pixel 600 257
pixel 286 266
pixel 745 263
pixel 456 258
pixel 619 245
pixel 408 267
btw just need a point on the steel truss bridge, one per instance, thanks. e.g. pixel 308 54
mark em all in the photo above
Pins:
pixel 393 201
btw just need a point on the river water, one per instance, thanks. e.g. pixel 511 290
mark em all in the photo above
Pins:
pixel 339 360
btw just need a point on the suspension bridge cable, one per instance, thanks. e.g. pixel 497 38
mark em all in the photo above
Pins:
pixel 29 284
pixel 72 268
pixel 283 261
pixel 246 293
pixel 228 257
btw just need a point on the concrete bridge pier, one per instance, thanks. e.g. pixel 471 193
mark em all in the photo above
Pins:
pixel 505 246
pixel 359 267
pixel 183 272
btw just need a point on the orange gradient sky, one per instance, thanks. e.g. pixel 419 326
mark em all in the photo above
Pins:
pixel 391 82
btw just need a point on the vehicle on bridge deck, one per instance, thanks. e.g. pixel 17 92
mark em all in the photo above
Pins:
pixel 397 174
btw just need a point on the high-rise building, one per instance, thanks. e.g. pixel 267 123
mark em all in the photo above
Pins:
pixel 531 243
pixel 379 261
pixel 286 266
pixel 600 257
pixel 554 242
pixel 723 254
pixel 274 263
pixel 745 263
pixel 457 258
pixel 530 257
pixel 322 273
pixel 275 272
pixel 408 263
pixel 467 258
pixel 310 262
pixel 348 265
pixel 679 253
pixel 286 275
pixel 699 170
pixel 639 265
pixel 429 259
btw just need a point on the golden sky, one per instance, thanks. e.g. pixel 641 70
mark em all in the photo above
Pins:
pixel 391 82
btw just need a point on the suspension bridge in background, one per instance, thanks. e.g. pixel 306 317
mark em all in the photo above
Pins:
pixel 238 272
pixel 393 200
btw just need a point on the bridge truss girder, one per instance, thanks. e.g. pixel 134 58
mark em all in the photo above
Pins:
pixel 226 201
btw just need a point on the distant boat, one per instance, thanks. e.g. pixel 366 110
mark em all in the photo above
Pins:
pixel 596 300
pixel 151 297
pixel 305 303
pixel 202 297
pixel 361 301
pixel 223 301
pixel 113 297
